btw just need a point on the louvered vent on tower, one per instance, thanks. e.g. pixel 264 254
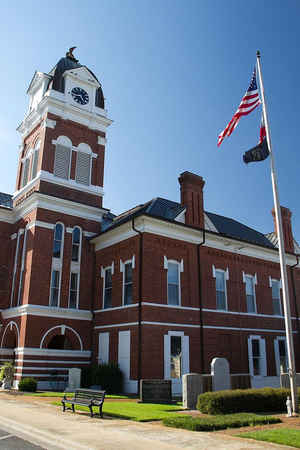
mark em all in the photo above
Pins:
pixel 83 165
pixel 62 161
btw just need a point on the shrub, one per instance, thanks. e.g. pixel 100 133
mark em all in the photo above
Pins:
pixel 108 376
pixel 27 384
pixel 7 371
pixel 246 400
pixel 218 422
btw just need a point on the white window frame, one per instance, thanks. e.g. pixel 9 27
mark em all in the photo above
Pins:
pixel 80 245
pixel 180 269
pixel 280 296
pixel 77 290
pixel 59 287
pixel 277 355
pixel 263 356
pixel 65 142
pixel 254 281
pixel 35 154
pixel 57 262
pixel 24 162
pixel 24 253
pixel 122 270
pixel 226 278
pixel 103 270
pixel 185 361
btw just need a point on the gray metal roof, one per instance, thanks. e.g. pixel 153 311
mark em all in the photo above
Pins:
pixel 233 228
pixel 5 200
pixel 167 209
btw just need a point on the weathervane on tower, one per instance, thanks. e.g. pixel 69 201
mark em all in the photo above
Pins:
pixel 70 55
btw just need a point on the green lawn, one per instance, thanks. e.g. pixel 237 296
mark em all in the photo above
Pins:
pixel 140 412
pixel 69 394
pixel 284 436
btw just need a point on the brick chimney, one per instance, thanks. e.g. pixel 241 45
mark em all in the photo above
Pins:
pixel 191 192
pixel 286 228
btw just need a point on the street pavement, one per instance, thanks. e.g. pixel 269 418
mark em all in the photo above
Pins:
pixel 35 425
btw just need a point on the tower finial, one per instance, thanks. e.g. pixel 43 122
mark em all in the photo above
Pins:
pixel 70 55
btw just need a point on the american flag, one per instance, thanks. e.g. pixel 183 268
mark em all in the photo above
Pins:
pixel 249 102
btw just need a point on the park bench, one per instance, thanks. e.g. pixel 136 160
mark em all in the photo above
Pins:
pixel 85 397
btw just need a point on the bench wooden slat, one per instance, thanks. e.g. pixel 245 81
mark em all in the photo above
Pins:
pixel 85 397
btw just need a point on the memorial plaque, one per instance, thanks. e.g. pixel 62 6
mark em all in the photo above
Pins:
pixel 156 391
pixel 220 374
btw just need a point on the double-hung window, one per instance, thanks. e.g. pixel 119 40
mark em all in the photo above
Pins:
pixel 127 268
pixel 54 292
pixel 281 355
pixel 58 238
pixel 73 294
pixel 128 283
pixel 257 356
pixel 107 286
pixel 276 300
pixel 174 269
pixel 76 241
pixel 221 295
pixel 250 282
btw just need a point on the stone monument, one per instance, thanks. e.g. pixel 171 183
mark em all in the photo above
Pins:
pixel 220 372
pixel 192 386
pixel 74 379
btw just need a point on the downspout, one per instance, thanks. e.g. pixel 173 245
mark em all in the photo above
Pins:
pixel 140 290
pixel 200 303
pixel 294 292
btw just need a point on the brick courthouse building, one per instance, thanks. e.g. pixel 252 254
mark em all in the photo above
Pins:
pixel 161 289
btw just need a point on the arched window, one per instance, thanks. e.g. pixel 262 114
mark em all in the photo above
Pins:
pixel 25 171
pixel 60 342
pixel 58 240
pixel 62 162
pixel 35 159
pixel 83 164
pixel 76 244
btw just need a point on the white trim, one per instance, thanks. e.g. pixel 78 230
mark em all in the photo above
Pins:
pixel 132 305
pixel 122 265
pixel 23 368
pixel 179 270
pixel 57 264
pixel 6 215
pixel 101 140
pixel 15 267
pixel 10 324
pixel 62 328
pixel 280 301
pixel 50 352
pixel 246 314
pixel 162 305
pixel 24 250
pixel 103 271
pixel 262 357
pixel 254 283
pixel 6 351
pixel 41 224
pixel 261 330
pixel 116 325
pixel 47 311
pixel 145 224
pixel 184 325
pixel 37 200
pixel 277 355
pixel 48 361
pixel 225 274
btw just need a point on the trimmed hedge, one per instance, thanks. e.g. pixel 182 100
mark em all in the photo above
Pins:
pixel 243 400
pixel 27 384
pixel 108 376
pixel 218 422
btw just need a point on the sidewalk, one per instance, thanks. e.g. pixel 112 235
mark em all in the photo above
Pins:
pixel 49 427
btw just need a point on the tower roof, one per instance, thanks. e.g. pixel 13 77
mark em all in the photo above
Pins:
pixel 68 63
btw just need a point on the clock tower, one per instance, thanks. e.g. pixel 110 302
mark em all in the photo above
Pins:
pixel 56 209
pixel 64 135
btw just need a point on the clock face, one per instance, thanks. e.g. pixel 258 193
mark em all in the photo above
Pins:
pixel 80 96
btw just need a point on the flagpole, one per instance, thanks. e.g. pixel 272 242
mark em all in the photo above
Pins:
pixel 286 302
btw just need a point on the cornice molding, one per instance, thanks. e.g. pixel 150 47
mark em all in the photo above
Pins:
pixel 38 200
pixel 47 311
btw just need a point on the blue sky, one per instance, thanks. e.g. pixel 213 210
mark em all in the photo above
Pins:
pixel 173 74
